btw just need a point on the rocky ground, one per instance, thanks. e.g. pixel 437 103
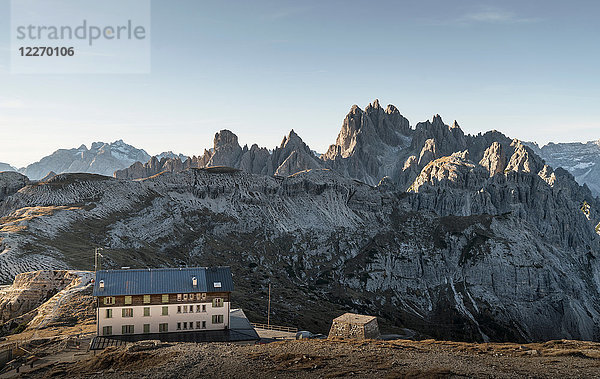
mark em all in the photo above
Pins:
pixel 337 358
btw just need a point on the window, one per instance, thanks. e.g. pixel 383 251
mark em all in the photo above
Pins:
pixel 185 309
pixel 146 299
pixel 203 324
pixel 185 296
pixel 109 313
pixel 198 324
pixel 179 309
pixel 146 311
pixel 165 298
pixel 198 296
pixel 127 329
pixel 128 300
pixel 165 311
pixel 198 308
pixel 203 296
pixel 127 312
pixel 217 319
pixel 178 326
pixel 146 328
pixel 191 297
pixel 107 330
pixel 178 297
pixel 217 302
pixel 164 327
pixel 203 307
pixel 185 325
pixel 109 300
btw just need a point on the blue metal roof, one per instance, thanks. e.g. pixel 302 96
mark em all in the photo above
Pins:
pixel 162 281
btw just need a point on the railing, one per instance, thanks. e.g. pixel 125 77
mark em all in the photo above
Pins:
pixel 274 327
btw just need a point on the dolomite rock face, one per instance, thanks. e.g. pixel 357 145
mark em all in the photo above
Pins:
pixel 452 171
pixel 428 152
pixel 370 143
pixel 494 160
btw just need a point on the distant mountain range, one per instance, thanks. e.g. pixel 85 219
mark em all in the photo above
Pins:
pixel 368 155
pixel 6 167
pixel 470 237
pixel 101 158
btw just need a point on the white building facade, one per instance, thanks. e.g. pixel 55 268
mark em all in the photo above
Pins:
pixel 133 302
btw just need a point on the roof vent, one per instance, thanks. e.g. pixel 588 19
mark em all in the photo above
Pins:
pixel 101 283
pixel 194 281
pixel 217 284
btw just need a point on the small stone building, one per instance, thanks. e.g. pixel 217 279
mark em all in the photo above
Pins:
pixel 352 325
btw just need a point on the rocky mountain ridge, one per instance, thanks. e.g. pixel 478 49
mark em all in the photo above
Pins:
pixel 452 235
pixel 481 259
pixel 373 143
pixel 292 156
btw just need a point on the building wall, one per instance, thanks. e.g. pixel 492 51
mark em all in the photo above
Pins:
pixel 138 320
pixel 156 299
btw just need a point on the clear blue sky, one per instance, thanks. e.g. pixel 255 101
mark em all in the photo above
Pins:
pixel 530 69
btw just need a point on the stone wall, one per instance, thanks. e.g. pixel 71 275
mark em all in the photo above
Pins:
pixel 342 329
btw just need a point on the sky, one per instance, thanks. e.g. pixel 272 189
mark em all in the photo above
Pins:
pixel 530 69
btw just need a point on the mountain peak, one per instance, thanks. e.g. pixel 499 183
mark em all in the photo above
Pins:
pixel 437 119
pixel 390 109
pixel 224 138
pixel 455 125
pixel 292 138
pixel 355 109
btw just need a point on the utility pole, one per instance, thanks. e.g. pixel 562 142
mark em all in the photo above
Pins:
pixel 97 256
pixel 269 308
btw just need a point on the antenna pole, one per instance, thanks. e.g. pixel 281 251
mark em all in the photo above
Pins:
pixel 269 308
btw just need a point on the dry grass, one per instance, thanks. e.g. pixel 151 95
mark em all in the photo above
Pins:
pixel 15 221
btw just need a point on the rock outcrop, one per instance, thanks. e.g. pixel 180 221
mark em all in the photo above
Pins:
pixel 35 298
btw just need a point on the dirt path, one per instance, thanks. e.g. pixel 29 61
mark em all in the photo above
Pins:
pixel 327 359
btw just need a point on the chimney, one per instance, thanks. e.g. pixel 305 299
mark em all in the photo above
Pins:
pixel 194 282
pixel 101 284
